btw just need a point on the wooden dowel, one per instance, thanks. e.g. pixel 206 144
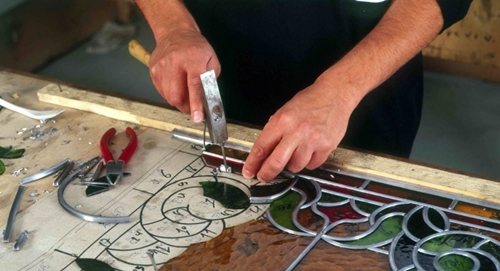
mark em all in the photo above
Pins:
pixel 139 52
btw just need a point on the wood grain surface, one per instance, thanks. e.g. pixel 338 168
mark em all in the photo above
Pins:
pixel 74 134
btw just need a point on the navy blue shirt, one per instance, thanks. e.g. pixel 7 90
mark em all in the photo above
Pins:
pixel 271 49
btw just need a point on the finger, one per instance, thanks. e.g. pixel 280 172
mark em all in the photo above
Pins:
pixel 157 80
pixel 213 64
pixel 300 159
pixel 317 159
pixel 261 149
pixel 195 100
pixel 176 90
pixel 277 160
pixel 166 83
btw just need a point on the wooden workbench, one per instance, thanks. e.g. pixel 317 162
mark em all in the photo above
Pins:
pixel 75 134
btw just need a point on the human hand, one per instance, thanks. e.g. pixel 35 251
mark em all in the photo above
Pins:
pixel 175 67
pixel 301 134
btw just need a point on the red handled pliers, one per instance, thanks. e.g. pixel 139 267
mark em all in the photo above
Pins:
pixel 115 169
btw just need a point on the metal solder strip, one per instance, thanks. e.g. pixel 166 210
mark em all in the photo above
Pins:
pixel 13 212
pixel 82 215
pixel 45 173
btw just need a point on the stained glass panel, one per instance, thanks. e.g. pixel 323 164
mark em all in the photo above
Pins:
pixel 416 230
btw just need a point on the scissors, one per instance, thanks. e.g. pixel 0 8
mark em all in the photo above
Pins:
pixel 115 169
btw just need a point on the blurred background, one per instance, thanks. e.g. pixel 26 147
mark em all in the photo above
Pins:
pixel 84 42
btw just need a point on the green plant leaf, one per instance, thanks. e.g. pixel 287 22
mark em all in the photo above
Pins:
pixel 93 265
pixel 10 153
pixel 2 167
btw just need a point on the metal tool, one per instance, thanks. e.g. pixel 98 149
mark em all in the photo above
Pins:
pixel 63 173
pixel 215 118
pixel 115 169
pixel 35 114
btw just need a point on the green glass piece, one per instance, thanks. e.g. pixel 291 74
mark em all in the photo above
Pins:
pixel 492 249
pixel 10 153
pixel 282 209
pixel 366 207
pixel 388 229
pixel 449 242
pixel 454 262
pixel 97 189
pixel 93 265
pixel 2 167
pixel 228 195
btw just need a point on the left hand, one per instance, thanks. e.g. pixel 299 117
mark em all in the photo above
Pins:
pixel 301 134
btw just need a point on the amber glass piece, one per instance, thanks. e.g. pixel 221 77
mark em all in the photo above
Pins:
pixel 477 210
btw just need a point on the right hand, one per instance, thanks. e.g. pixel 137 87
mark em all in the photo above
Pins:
pixel 175 67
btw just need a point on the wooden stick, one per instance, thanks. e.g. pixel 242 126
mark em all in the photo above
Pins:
pixel 139 52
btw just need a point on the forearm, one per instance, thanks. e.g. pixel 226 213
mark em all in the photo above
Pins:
pixel 406 28
pixel 166 15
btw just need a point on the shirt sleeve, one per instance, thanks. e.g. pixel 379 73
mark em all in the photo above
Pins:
pixel 453 11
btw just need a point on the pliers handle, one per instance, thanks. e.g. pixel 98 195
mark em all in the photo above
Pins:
pixel 127 152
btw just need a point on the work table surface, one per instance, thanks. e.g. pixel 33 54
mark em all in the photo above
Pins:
pixel 75 134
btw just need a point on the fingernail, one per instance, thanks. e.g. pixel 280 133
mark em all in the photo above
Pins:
pixel 197 117
pixel 247 174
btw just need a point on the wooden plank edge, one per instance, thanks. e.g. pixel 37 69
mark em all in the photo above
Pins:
pixel 404 174
pixel 119 109
pixel 416 177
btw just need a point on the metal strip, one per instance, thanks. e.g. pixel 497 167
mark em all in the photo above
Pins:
pixel 45 173
pixel 12 215
pixel 82 215
pixel 198 140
